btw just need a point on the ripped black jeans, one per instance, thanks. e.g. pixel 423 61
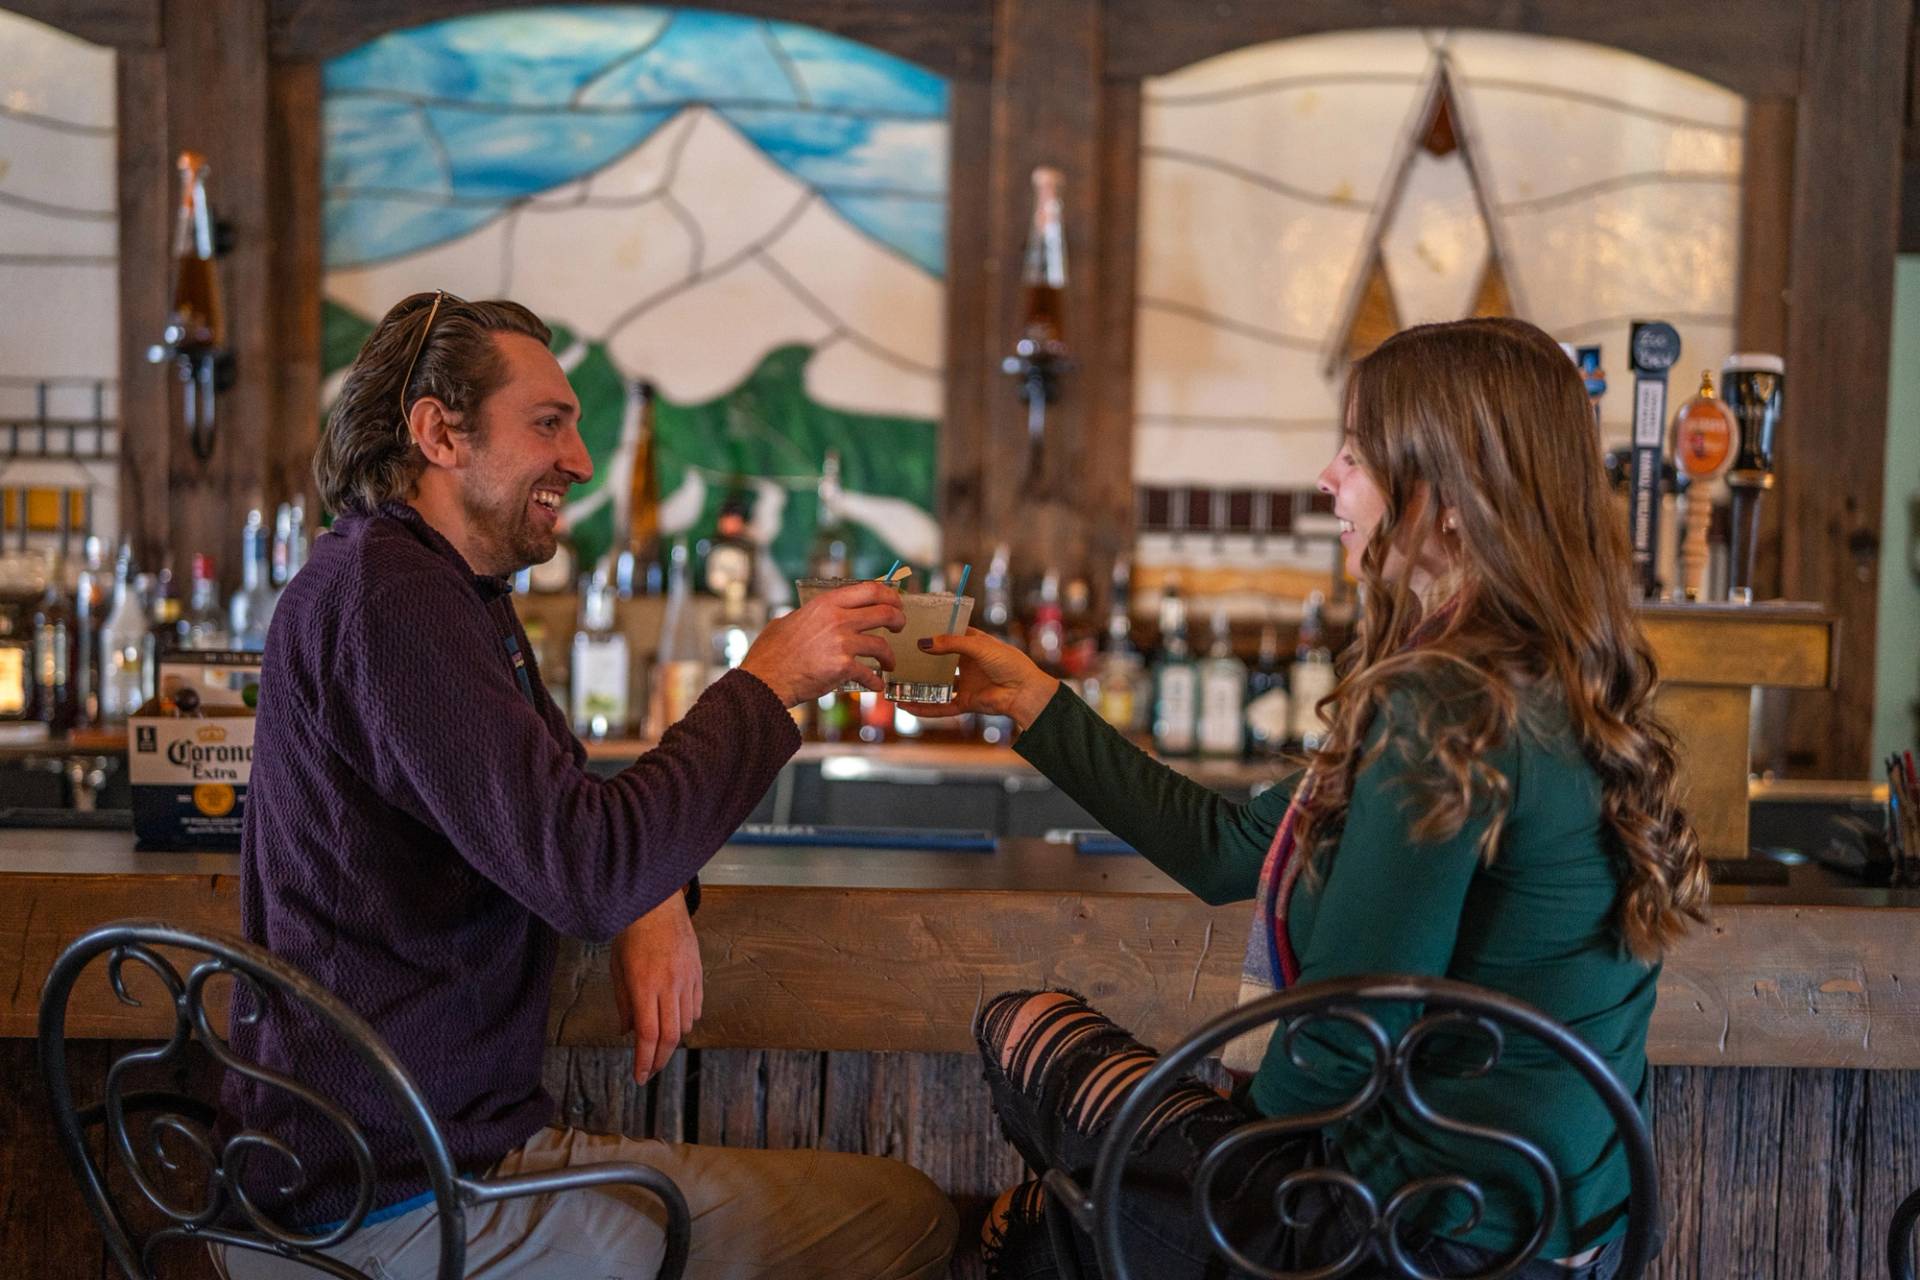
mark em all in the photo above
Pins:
pixel 1063 1082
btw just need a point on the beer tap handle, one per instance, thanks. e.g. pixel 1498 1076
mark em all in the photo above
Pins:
pixel 1694 554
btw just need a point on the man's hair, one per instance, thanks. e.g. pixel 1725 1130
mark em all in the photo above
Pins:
pixel 367 455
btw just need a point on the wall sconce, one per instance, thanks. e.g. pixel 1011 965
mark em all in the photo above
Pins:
pixel 1040 356
pixel 195 339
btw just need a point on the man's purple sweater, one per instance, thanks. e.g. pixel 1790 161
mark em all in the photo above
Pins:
pixel 420 829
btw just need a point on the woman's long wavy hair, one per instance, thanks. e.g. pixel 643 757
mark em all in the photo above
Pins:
pixel 1488 419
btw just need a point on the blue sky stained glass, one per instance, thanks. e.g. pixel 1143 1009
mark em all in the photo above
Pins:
pixel 432 130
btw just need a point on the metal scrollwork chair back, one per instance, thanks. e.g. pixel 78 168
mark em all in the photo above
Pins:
pixel 1444 1007
pixel 225 1214
pixel 1900 1238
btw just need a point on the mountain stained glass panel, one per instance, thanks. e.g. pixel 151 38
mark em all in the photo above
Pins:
pixel 748 214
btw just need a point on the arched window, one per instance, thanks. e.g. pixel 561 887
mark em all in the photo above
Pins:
pixel 59 246
pixel 1302 200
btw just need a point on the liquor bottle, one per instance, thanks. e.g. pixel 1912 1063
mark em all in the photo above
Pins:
pixel 832 553
pixel 836 717
pixel 1268 713
pixel 733 631
pixel 120 640
pixel 56 637
pixel 166 631
pixel 680 668
pixel 16 666
pixel 1081 646
pixel 1176 682
pixel 601 663
pixel 730 555
pixel 1047 634
pixel 1223 695
pixel 251 609
pixel 1117 687
pixel 996 619
pixel 1312 676
pixel 206 625
pixel 289 542
pixel 20 587
pixel 639 571
pixel 92 598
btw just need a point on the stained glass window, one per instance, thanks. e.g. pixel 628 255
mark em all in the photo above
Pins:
pixel 59 243
pixel 1302 200
pixel 750 215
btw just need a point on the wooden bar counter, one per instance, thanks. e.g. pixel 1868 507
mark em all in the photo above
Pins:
pixel 840 985
pixel 893 950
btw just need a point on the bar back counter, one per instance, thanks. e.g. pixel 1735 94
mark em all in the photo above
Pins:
pixel 841 983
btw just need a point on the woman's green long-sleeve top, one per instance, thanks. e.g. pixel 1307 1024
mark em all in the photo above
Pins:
pixel 1537 922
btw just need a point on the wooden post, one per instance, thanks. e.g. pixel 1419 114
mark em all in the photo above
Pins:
pixel 294 301
pixel 217 104
pixel 146 209
pixel 1048 109
pixel 1840 286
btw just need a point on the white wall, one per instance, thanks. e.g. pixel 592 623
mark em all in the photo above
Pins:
pixel 1897 648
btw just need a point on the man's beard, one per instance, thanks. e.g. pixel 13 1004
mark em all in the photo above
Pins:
pixel 507 532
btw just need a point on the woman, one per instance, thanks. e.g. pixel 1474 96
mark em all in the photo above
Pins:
pixel 1494 801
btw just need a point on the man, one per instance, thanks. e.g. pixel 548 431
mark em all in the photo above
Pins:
pixel 421 828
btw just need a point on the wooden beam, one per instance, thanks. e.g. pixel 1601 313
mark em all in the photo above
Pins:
pixel 1760 324
pixel 218 104
pixel 146 203
pixel 295 206
pixel 1750 46
pixel 1766 227
pixel 1047 110
pixel 119 24
pixel 952 37
pixel 1910 199
pixel 972 334
pixel 1106 469
pixel 1833 439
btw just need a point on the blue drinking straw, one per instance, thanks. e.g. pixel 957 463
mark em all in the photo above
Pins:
pixel 887 577
pixel 953 618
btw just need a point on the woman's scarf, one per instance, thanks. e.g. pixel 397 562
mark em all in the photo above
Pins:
pixel 1270 965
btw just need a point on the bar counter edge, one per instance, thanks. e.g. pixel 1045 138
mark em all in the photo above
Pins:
pixel 894 950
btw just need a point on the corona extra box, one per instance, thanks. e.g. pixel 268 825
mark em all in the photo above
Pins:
pixel 189 775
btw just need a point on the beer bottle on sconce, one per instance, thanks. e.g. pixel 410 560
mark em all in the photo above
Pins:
pixel 195 337
pixel 1040 353
pixel 1703 434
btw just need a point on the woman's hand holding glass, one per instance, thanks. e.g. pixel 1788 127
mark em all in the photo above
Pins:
pixel 995 679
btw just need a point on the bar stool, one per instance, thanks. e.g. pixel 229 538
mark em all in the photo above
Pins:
pixel 1446 1008
pixel 223 1214
pixel 1900 1238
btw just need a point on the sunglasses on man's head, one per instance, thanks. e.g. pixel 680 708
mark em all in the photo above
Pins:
pixel 420 343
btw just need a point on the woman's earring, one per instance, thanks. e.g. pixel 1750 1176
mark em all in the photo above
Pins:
pixel 1451 524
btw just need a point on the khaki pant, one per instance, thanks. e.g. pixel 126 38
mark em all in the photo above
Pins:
pixel 768 1215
